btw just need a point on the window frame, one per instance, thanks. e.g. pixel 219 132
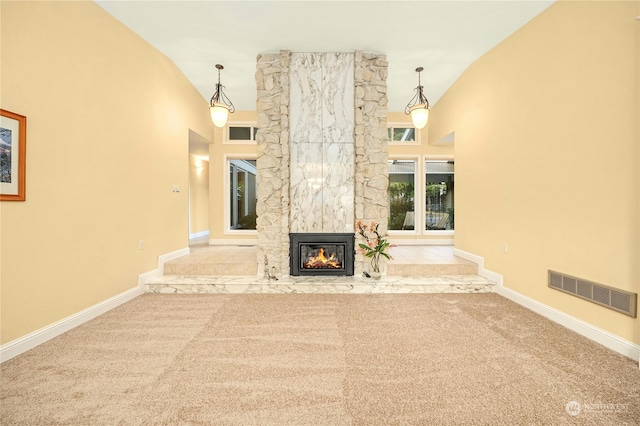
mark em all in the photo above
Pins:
pixel 417 195
pixel 226 140
pixel 226 164
pixel 420 185
pixel 396 124
pixel 426 158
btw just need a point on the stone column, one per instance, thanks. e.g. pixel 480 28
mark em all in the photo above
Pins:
pixel 372 171
pixel 272 138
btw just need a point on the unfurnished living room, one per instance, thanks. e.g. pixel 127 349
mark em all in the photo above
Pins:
pixel 319 212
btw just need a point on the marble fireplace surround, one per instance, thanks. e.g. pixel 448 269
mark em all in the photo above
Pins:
pixel 322 147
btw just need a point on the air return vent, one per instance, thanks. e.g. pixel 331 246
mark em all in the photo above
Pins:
pixel 612 298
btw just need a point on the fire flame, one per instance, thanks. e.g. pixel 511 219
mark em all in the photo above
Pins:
pixel 322 262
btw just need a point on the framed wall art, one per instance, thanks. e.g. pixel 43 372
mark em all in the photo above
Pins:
pixel 13 153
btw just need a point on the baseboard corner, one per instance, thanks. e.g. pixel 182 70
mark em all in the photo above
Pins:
pixel 482 271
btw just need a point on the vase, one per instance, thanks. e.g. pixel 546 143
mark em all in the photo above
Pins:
pixel 375 266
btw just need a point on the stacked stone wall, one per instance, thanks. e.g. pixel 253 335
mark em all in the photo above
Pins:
pixel 371 145
pixel 272 138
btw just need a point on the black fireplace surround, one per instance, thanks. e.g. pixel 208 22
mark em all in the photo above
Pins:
pixel 321 254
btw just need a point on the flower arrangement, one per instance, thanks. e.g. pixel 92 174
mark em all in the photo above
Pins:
pixel 376 244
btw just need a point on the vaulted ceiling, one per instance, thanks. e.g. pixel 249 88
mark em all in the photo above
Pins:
pixel 444 37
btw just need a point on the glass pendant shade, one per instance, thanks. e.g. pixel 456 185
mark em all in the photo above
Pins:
pixel 419 116
pixel 219 114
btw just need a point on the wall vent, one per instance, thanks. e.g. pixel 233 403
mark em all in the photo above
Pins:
pixel 612 298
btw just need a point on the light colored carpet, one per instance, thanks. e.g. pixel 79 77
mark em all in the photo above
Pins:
pixel 302 359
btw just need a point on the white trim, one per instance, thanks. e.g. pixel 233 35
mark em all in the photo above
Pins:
pixel 429 157
pixel 234 242
pixel 226 161
pixel 31 340
pixel 418 221
pixel 493 276
pixel 603 337
pixel 421 241
pixel 237 232
pixel 164 258
pixel 404 125
pixel 146 277
pixel 159 271
pixel 425 234
pixel 38 337
pixel 225 133
pixel 428 232
pixel 200 234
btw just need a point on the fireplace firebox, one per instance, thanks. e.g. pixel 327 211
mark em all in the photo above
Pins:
pixel 321 253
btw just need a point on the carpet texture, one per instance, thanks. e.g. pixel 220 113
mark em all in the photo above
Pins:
pixel 303 359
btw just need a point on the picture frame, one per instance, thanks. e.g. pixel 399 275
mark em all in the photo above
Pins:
pixel 13 156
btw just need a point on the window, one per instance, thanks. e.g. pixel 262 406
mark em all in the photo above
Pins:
pixel 242 194
pixel 401 134
pixel 439 191
pixel 401 194
pixel 240 133
pixel 411 179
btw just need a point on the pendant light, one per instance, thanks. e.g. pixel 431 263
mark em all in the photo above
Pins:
pixel 418 106
pixel 220 105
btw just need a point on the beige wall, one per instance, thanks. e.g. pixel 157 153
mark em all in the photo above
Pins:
pixel 107 138
pixel 198 194
pixel 547 141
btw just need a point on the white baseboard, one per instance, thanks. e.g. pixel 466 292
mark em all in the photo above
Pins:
pixel 146 277
pixel 603 337
pixel 479 260
pixel 164 258
pixel 200 234
pixel 149 276
pixel 611 341
pixel 38 337
pixel 31 340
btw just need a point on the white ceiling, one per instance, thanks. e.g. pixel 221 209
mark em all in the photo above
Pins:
pixel 444 37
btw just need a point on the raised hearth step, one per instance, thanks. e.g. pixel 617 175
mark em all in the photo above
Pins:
pixel 178 284
pixel 178 268
pixel 432 269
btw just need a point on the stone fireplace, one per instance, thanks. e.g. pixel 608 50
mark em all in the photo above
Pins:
pixel 322 151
